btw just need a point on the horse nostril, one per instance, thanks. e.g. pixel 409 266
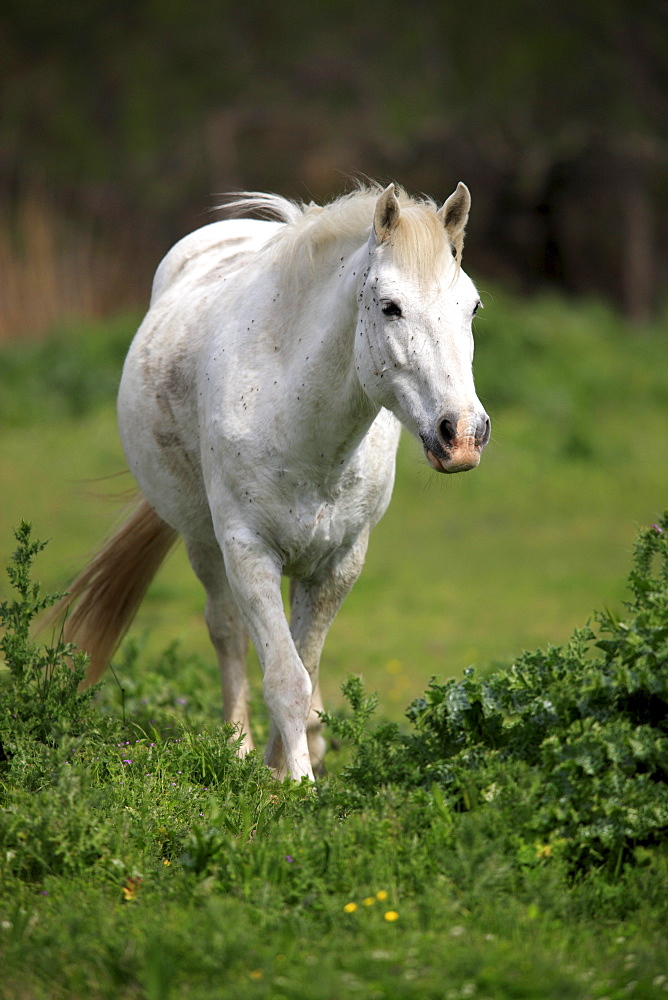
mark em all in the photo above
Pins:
pixel 447 430
pixel 484 430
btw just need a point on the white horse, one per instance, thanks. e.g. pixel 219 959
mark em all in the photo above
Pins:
pixel 260 410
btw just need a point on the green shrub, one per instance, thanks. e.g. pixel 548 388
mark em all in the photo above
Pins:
pixel 570 744
pixel 40 697
pixel 561 759
pixel 476 850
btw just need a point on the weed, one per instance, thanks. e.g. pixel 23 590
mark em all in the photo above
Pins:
pixel 569 746
pixel 520 819
pixel 40 697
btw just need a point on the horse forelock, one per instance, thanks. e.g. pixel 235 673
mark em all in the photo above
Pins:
pixel 419 245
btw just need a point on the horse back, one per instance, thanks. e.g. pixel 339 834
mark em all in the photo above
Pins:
pixel 211 248
pixel 158 411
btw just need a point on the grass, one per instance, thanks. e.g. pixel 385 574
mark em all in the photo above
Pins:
pixel 139 858
pixel 462 570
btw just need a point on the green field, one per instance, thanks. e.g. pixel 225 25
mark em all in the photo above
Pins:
pixel 462 570
pixel 186 873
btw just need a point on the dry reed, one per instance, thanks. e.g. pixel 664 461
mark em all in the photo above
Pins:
pixel 53 268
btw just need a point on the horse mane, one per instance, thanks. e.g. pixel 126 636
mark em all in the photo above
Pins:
pixel 419 245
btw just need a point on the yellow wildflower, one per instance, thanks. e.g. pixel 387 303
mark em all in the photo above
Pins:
pixel 381 895
pixel 391 916
pixel 350 907
pixel 368 900
pixel 129 890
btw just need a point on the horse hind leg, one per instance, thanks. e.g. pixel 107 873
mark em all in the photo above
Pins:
pixel 316 741
pixel 228 636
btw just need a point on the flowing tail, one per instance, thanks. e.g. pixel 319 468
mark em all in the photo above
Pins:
pixel 107 593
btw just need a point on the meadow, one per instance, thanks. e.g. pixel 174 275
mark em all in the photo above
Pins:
pixel 504 840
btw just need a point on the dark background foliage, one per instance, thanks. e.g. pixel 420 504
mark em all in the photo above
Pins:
pixel 125 121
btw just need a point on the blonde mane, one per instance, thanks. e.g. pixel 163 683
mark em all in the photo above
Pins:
pixel 419 244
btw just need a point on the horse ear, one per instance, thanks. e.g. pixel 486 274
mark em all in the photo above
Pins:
pixel 386 215
pixel 455 211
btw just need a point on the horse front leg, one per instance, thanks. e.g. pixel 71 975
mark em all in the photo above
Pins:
pixel 315 604
pixel 255 577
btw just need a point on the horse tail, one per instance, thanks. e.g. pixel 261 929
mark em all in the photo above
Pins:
pixel 107 593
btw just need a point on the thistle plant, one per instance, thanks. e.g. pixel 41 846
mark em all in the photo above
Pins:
pixel 39 692
pixel 569 744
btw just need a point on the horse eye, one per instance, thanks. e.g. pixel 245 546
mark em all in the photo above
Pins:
pixel 390 309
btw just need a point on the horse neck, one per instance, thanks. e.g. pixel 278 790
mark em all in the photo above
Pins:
pixel 334 411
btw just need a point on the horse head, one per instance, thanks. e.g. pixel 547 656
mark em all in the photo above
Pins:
pixel 414 340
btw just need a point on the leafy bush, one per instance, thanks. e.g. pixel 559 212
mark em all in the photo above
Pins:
pixel 120 842
pixel 80 787
pixel 570 744
pixel 562 756
pixel 40 697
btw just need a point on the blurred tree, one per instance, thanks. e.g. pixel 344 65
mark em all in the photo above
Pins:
pixel 136 113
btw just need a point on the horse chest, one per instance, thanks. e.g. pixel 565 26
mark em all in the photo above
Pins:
pixel 310 537
pixel 308 529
